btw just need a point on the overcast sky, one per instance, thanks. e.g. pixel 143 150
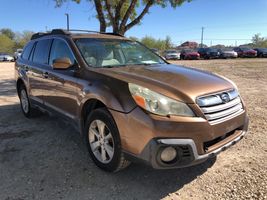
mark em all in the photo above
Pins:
pixel 225 21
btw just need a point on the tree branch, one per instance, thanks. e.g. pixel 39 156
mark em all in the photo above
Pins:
pixel 118 9
pixel 100 14
pixel 127 14
pixel 118 16
pixel 108 7
pixel 139 18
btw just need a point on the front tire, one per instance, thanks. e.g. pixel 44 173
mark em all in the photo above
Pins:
pixel 103 141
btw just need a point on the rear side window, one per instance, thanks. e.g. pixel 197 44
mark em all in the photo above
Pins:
pixel 27 51
pixel 42 51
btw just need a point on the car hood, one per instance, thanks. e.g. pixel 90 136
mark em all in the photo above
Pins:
pixel 178 82
pixel 250 51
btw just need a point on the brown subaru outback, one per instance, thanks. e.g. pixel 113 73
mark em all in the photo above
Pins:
pixel 127 102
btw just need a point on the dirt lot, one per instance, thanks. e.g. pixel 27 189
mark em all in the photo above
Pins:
pixel 44 158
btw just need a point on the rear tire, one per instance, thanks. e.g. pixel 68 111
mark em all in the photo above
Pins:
pixel 103 141
pixel 25 104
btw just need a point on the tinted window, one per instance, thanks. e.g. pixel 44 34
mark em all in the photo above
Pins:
pixel 60 50
pixel 27 51
pixel 41 51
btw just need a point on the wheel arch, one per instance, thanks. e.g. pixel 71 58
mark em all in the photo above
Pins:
pixel 87 107
pixel 19 83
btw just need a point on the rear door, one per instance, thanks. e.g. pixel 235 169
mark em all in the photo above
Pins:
pixel 37 67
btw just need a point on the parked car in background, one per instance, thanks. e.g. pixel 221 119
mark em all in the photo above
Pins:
pixel 6 57
pixel 155 51
pixel 208 53
pixel 18 53
pixel 245 52
pixel 261 52
pixel 227 53
pixel 171 55
pixel 189 54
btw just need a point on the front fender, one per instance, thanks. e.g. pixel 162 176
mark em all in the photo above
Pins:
pixel 113 94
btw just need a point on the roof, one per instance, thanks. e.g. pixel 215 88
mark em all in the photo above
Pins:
pixel 79 34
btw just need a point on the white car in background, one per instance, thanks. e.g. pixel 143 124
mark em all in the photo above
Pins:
pixel 6 57
pixel 171 55
pixel 18 53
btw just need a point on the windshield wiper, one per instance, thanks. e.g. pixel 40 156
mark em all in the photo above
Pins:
pixel 112 66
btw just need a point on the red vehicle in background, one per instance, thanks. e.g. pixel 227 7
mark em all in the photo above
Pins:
pixel 189 54
pixel 245 52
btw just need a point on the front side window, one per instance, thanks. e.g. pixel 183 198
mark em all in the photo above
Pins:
pixel 41 51
pixel 112 53
pixel 60 50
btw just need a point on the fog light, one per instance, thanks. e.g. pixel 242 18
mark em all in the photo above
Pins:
pixel 168 154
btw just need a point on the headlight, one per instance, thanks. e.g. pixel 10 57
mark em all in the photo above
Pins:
pixel 157 103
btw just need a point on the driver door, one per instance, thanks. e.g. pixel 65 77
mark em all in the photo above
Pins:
pixel 60 92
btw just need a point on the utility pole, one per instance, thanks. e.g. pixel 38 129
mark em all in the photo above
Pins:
pixel 202 32
pixel 68 21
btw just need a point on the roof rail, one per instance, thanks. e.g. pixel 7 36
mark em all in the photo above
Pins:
pixel 89 31
pixel 68 32
pixel 53 32
pixel 80 30
pixel 38 35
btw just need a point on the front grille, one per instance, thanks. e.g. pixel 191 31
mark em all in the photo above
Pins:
pixel 207 145
pixel 220 107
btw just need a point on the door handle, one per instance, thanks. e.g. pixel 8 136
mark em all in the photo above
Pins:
pixel 26 68
pixel 46 75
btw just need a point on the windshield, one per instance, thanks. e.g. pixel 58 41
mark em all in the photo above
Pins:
pixel 188 50
pixel 245 49
pixel 212 50
pixel 227 49
pixel 112 53
pixel 263 49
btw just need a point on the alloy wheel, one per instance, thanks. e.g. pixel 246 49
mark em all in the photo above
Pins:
pixel 101 141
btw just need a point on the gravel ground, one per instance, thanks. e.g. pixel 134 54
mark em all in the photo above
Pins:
pixel 44 158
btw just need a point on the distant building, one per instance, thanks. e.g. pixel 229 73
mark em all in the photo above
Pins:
pixel 189 44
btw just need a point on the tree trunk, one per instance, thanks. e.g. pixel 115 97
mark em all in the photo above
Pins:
pixel 124 20
pixel 100 14
pixel 116 24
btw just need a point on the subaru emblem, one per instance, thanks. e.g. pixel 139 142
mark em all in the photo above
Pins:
pixel 225 97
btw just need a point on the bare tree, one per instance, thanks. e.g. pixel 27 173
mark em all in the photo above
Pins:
pixel 122 14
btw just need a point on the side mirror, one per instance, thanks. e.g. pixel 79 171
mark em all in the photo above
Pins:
pixel 62 63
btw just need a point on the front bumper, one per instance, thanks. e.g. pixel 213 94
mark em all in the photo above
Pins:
pixel 144 136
